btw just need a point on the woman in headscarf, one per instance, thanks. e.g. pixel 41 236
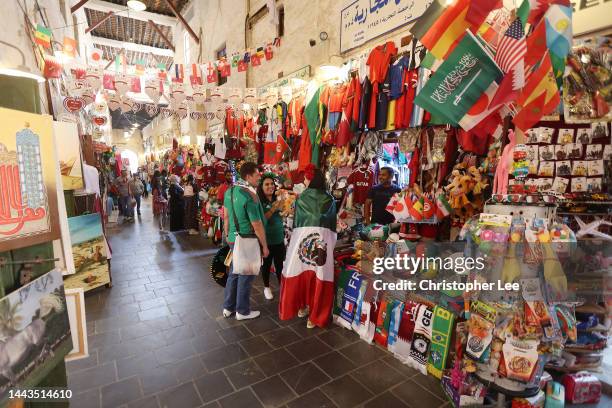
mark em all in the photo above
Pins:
pixel 191 205
pixel 307 287
pixel 176 204
pixel 275 231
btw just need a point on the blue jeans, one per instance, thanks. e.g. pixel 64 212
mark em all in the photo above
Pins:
pixel 137 197
pixel 238 292
pixel 126 208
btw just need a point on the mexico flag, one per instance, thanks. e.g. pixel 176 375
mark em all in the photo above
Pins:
pixel 308 272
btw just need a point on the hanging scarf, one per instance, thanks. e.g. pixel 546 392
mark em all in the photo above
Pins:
pixel 246 186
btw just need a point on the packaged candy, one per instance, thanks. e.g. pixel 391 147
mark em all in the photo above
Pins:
pixel 520 357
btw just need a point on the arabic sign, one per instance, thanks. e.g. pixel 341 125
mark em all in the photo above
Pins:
pixel 302 73
pixel 364 20
pixel 28 204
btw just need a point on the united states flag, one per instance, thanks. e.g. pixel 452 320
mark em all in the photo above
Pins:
pixel 512 47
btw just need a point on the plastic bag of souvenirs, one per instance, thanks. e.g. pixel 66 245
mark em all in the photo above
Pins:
pixel 586 90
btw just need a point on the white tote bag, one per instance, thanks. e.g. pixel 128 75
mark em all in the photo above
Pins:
pixel 246 257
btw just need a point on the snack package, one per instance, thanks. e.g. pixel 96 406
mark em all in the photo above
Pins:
pixel 520 358
pixel 480 328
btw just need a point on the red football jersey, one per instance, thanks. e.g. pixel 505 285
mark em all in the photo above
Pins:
pixel 209 174
pixel 220 168
pixel 362 181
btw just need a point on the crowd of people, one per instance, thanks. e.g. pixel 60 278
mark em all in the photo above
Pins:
pixel 251 210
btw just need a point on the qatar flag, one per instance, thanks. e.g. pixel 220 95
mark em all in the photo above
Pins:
pixel 308 272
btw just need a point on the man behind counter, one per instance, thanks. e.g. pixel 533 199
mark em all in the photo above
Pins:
pixel 378 197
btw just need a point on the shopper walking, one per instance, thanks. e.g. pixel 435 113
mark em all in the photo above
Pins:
pixel 275 231
pixel 375 209
pixel 122 183
pixel 176 204
pixel 137 188
pixel 243 212
pixel 307 286
pixel 160 203
pixel 191 205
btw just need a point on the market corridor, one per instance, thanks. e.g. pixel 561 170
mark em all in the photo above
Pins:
pixel 157 339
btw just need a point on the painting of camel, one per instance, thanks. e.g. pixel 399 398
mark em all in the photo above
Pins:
pixel 89 253
pixel 34 332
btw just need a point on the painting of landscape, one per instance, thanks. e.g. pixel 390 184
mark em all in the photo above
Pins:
pixel 34 332
pixel 89 253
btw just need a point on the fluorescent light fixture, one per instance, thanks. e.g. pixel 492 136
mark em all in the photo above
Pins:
pixel 22 72
pixel 136 5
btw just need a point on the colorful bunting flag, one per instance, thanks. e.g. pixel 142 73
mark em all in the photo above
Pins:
pixel 139 67
pixel 480 9
pixel 42 36
pixel 70 47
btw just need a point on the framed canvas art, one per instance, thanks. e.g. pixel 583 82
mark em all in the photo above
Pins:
pixel 69 155
pixel 28 203
pixel 75 301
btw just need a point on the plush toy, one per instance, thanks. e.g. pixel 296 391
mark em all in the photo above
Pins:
pixel 288 200
pixel 458 190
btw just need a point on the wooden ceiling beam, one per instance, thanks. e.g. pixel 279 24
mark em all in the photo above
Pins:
pixel 183 21
pixel 77 6
pixel 162 35
pixel 99 23
pixel 105 6
pixel 132 46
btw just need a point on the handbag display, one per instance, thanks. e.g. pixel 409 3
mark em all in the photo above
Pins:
pixel 246 257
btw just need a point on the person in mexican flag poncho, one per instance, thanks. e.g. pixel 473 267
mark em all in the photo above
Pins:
pixel 308 274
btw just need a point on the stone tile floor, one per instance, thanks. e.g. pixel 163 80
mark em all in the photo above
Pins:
pixel 157 340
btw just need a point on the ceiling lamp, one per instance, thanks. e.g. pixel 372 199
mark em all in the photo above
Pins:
pixel 21 70
pixel 136 5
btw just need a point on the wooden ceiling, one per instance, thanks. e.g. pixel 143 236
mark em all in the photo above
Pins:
pixel 122 28
pixel 156 6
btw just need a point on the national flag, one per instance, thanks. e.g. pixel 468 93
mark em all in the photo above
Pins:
pixel 558 21
pixel 416 210
pixel 224 68
pixel 429 208
pixel 260 52
pixel 52 67
pixel 179 73
pixel 135 85
pixel 139 66
pixel 95 55
pixel 162 71
pixel 235 60
pixel 448 30
pixel 512 46
pixel 255 60
pixel 211 76
pixel 539 97
pixel 532 11
pixel 443 208
pixel 489 35
pixel 277 42
pixel 480 9
pixel 270 153
pixel 510 86
pixel 70 47
pixel 536 46
pixel 460 81
pixel 308 272
pixel 281 148
pixel 400 206
pixel 424 23
pixel 42 36
pixel 269 52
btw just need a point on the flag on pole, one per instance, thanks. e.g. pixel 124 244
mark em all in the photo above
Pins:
pixel 460 81
pixel 532 11
pixel 281 148
pixel 480 9
pixel 428 19
pixel 539 97
pixel 512 46
pixel 536 47
pixel 558 21
pixel 308 272
pixel 448 30
pixel 270 152
pixel 42 36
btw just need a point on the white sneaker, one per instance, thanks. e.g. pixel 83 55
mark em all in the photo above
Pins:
pixel 268 293
pixel 303 312
pixel 252 315
pixel 227 313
